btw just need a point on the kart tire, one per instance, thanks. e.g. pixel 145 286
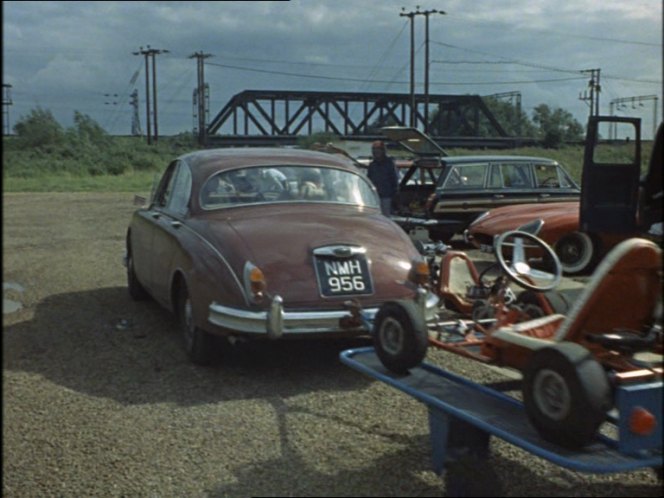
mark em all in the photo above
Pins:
pixel 577 252
pixel 566 394
pixel 201 347
pixel 400 336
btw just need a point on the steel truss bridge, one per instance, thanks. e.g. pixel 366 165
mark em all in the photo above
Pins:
pixel 256 117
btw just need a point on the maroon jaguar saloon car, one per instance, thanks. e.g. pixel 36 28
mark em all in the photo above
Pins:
pixel 269 243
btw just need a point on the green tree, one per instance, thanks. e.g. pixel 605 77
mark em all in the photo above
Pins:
pixel 38 129
pixel 89 130
pixel 556 126
pixel 514 121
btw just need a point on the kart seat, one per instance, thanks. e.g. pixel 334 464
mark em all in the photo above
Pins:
pixel 458 274
pixel 623 293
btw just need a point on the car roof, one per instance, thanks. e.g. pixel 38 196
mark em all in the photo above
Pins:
pixel 495 158
pixel 205 162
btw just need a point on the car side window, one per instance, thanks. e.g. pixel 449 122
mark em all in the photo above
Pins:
pixel 181 190
pixel 165 186
pixel 546 176
pixel 511 175
pixel 466 176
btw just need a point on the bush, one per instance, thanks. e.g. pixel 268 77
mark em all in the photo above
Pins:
pixel 38 129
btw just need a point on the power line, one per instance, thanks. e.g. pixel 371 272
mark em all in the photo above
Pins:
pixel 251 69
pixel 509 60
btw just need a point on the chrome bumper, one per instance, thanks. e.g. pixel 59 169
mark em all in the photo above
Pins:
pixel 277 322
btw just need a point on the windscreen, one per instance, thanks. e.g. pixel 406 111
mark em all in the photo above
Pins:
pixel 286 184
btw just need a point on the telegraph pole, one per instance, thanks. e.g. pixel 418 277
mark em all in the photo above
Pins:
pixel 6 102
pixel 150 53
pixel 413 108
pixel 201 101
pixel 595 88
pixel 426 15
pixel 411 16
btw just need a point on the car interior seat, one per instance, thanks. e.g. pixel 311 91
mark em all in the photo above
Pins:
pixel 311 191
pixel 623 294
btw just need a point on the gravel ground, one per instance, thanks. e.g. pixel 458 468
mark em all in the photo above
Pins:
pixel 99 399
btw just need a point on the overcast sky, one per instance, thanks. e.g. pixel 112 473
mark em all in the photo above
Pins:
pixel 67 56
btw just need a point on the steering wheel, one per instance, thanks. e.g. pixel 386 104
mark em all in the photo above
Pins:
pixel 551 181
pixel 518 269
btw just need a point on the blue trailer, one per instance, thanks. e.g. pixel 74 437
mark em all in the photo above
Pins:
pixel 463 415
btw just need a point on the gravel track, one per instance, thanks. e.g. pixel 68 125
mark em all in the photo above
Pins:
pixel 100 400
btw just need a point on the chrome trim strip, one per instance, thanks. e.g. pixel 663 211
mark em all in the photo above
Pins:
pixel 276 322
pixel 339 251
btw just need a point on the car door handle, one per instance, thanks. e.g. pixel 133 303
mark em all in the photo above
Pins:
pixel 545 195
pixel 176 224
pixel 155 215
pixel 498 196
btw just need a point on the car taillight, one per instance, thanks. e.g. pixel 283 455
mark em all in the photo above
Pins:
pixel 419 272
pixel 254 281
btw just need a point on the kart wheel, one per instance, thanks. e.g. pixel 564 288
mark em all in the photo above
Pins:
pixel 400 336
pixel 136 290
pixel 577 253
pixel 566 394
pixel 199 345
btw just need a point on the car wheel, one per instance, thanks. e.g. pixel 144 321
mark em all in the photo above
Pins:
pixel 577 252
pixel 199 345
pixel 136 290
pixel 400 337
pixel 566 394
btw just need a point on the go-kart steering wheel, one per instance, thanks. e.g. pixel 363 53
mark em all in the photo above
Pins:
pixel 518 269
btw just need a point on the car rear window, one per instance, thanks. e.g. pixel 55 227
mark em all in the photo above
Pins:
pixel 286 184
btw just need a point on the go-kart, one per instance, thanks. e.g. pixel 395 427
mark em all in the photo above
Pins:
pixel 571 364
pixel 472 293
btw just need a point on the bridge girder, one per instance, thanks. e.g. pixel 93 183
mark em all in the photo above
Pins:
pixel 264 114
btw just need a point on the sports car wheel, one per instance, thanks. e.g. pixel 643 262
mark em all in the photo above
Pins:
pixel 577 252
pixel 566 394
pixel 199 345
pixel 400 337
pixel 136 290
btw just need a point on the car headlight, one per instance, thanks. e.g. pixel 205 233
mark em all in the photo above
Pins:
pixel 483 215
pixel 254 282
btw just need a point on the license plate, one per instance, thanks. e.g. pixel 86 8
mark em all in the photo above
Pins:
pixel 343 276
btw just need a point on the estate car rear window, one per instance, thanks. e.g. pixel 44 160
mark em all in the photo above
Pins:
pixel 286 184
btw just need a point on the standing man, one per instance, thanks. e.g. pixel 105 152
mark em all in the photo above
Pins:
pixel 383 174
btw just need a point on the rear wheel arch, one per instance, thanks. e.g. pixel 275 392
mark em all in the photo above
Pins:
pixel 134 286
pixel 177 283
